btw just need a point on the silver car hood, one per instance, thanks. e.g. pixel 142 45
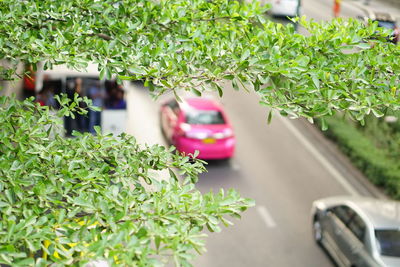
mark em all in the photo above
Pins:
pixel 390 261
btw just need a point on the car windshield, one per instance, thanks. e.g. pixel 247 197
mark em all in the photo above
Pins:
pixel 204 117
pixel 386 24
pixel 388 242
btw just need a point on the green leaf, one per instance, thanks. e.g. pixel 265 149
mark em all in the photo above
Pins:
pixel 269 116
pixel 303 61
pixel 377 113
pixel 324 125
pixel 220 91
pixel 363 45
pixel 97 129
pixel 102 73
pixel 245 55
pixel 315 80
pixel 235 85
pixel 137 70
pixel 229 77
pixel 141 233
pixel 196 92
pixel 157 242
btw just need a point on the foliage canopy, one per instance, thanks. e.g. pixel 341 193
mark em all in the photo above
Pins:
pixel 72 200
pixel 195 44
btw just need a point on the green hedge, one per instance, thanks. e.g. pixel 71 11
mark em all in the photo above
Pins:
pixel 372 161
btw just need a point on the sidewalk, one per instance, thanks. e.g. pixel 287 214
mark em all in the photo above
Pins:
pixel 393 3
pixel 143 120
pixel 389 6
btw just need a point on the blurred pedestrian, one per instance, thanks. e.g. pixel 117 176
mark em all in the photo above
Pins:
pixel 46 97
pixel 79 123
pixel 336 8
pixel 81 119
pixel 116 99
pixel 50 101
pixel 97 94
pixel 41 98
pixel 29 82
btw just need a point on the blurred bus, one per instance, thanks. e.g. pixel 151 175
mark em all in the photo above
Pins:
pixel 106 94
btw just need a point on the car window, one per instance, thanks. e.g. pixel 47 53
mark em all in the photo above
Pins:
pixel 387 24
pixel 357 227
pixel 174 106
pixel 204 117
pixel 388 242
pixel 344 213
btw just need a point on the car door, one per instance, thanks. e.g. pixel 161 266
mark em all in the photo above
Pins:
pixel 337 218
pixel 355 243
pixel 328 227
pixel 350 239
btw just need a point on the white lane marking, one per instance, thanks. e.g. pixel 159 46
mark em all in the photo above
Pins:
pixel 318 156
pixel 266 217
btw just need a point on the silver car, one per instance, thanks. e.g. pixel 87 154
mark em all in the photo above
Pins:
pixel 358 231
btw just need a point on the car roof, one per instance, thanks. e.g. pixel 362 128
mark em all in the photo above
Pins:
pixel 382 214
pixel 200 104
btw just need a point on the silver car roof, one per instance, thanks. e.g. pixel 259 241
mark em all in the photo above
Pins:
pixel 382 214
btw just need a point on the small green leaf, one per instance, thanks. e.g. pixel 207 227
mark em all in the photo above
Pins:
pixel 157 241
pixel 137 70
pixel 245 55
pixel 324 125
pixel 97 129
pixel 195 91
pixel 141 233
pixel 220 91
pixel 235 85
pixel 363 45
pixel 102 73
pixel 315 80
pixel 269 116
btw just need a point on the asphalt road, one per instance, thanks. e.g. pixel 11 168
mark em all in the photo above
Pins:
pixel 278 165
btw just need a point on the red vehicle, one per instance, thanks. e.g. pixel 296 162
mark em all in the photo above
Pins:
pixel 198 124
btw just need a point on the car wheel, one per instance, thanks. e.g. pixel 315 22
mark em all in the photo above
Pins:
pixel 317 230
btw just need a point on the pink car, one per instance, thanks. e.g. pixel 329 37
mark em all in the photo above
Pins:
pixel 198 124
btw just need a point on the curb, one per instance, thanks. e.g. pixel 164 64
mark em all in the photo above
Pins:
pixel 395 3
pixel 362 3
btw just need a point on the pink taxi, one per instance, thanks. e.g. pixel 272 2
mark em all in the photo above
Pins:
pixel 198 124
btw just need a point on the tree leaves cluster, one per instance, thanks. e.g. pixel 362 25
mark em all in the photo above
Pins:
pixel 70 201
pixel 196 44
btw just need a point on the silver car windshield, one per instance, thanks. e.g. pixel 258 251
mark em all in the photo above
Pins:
pixel 388 242
pixel 204 117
